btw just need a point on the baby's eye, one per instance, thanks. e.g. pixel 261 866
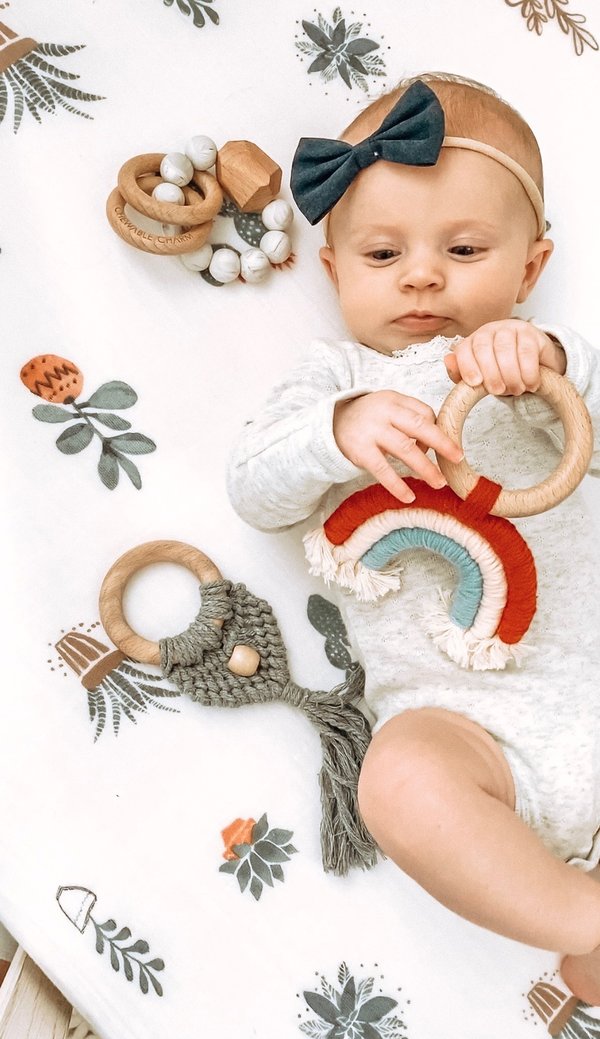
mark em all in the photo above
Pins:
pixel 383 254
pixel 463 250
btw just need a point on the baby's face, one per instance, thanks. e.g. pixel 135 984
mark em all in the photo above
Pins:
pixel 422 251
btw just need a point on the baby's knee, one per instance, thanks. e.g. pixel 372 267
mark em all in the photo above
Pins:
pixel 402 784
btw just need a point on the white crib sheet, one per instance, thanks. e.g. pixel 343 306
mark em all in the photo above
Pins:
pixel 110 826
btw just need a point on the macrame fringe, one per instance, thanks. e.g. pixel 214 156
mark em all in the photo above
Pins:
pixel 368 585
pixel 345 736
pixel 468 650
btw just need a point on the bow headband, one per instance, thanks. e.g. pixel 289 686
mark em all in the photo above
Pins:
pixel 412 133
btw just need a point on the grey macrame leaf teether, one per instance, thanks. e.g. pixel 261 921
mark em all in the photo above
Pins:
pixel 197 661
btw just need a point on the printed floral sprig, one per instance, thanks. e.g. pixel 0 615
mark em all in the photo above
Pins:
pixel 129 955
pixel 77 903
pixel 59 382
pixel 341 50
pixel 35 83
pixel 538 12
pixel 351 1012
pixel 197 8
pixel 255 853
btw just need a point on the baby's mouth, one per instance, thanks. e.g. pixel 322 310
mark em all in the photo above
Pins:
pixel 420 320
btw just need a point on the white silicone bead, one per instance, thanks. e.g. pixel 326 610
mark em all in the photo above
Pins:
pixel 255 265
pixel 176 168
pixel 199 259
pixel 278 215
pixel 277 245
pixel 167 192
pixel 171 230
pixel 225 265
pixel 202 152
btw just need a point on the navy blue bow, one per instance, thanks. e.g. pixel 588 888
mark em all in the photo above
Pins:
pixel 412 134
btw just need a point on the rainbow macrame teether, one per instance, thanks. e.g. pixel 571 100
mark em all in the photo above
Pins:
pixel 480 626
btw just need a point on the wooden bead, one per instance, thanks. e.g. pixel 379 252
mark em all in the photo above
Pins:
pixel 244 661
pixel 247 175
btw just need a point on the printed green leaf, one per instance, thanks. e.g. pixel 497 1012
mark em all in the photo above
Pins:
pixel 51 413
pixel 75 439
pixel 128 969
pixel 323 1007
pixel 261 869
pixel 140 946
pixel 156 984
pixel 277 872
pixel 376 1008
pixel 241 850
pixel 260 828
pixel 131 470
pixel 256 888
pixel 230 866
pixel 110 925
pixel 320 63
pixel 122 935
pixel 113 395
pixel 339 33
pixel 270 852
pixel 290 849
pixel 133 444
pixel 280 836
pixel 108 468
pixel 143 980
pixel 361 47
pixel 243 875
pixel 348 1000
pixel 316 35
pixel 110 420
pixel 114 959
pixel 99 942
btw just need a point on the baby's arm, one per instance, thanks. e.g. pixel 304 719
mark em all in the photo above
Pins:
pixel 319 429
pixel 286 458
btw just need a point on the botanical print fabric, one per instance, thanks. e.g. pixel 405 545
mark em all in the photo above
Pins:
pixel 159 858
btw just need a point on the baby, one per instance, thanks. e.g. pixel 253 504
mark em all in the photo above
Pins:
pixel 484 786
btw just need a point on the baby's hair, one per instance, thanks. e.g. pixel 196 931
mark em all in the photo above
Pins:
pixel 471 110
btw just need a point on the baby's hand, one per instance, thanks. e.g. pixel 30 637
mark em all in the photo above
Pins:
pixel 384 422
pixel 505 356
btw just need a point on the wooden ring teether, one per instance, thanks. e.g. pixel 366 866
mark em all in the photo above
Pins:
pixel 199 212
pixel 528 501
pixel 244 659
pixel 187 241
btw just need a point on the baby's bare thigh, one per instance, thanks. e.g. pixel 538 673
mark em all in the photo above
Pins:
pixel 419 741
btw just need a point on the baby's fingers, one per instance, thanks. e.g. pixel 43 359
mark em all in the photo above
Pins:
pixel 407 450
pixel 379 467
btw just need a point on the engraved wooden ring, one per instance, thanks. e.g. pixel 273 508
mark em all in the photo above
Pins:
pixel 197 212
pixel 528 501
pixel 244 659
pixel 160 244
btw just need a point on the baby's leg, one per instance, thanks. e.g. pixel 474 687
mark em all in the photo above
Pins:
pixel 436 793
pixel 582 973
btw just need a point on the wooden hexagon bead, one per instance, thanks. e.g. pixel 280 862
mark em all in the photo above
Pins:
pixel 247 175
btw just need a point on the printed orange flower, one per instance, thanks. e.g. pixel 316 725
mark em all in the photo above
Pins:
pixel 238 832
pixel 53 378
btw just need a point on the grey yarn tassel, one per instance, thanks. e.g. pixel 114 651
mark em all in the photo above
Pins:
pixel 197 662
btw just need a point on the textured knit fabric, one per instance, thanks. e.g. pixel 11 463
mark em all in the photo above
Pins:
pixel 545 714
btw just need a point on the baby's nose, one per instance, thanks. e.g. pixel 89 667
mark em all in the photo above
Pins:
pixel 421 271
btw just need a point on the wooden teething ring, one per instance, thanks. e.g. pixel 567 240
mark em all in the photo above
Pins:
pixel 165 245
pixel 528 501
pixel 243 661
pixel 168 212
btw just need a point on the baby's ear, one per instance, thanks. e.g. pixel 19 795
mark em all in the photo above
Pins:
pixel 327 257
pixel 538 255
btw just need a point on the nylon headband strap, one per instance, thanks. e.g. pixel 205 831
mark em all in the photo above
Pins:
pixel 531 189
